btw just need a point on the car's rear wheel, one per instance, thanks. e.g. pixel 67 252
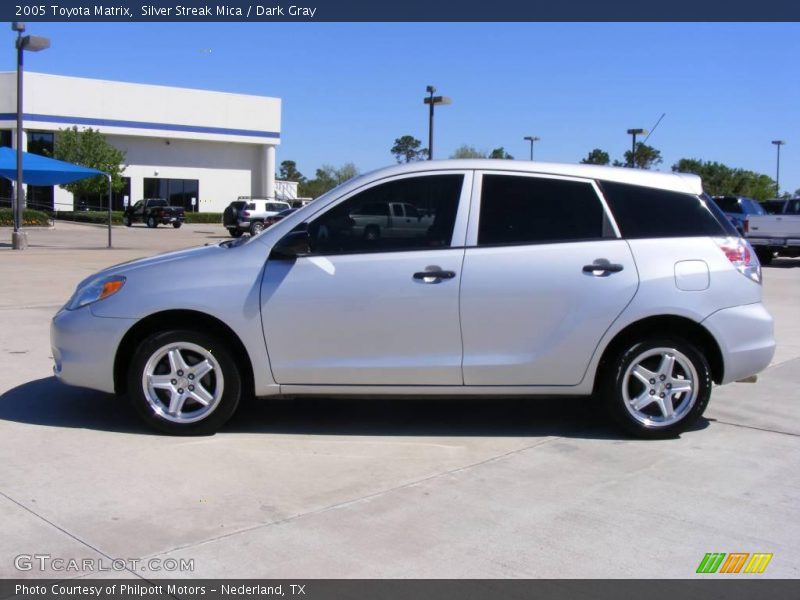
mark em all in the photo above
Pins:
pixel 183 382
pixel 256 227
pixel 235 232
pixel 152 223
pixel 126 220
pixel 657 388
pixel 372 233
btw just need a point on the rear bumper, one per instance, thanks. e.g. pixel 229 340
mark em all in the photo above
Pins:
pixel 745 337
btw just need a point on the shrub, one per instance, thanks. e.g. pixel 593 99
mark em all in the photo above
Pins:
pixel 203 217
pixel 90 216
pixel 30 218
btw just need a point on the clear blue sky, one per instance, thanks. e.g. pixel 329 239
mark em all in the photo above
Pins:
pixel 349 90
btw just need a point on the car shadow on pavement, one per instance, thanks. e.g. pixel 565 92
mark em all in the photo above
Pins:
pixel 48 403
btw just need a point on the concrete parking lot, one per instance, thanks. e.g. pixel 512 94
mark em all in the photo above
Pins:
pixel 377 488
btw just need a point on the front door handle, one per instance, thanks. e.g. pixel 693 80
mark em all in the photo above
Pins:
pixel 434 275
pixel 601 268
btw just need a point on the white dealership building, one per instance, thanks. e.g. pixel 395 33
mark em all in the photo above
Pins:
pixel 200 149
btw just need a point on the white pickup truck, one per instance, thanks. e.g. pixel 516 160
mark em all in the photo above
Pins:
pixel 775 233
pixel 390 220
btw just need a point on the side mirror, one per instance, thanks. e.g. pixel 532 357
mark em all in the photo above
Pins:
pixel 292 245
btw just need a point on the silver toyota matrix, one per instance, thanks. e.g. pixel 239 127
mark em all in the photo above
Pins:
pixel 439 278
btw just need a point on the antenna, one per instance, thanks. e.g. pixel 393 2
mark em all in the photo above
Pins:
pixel 653 128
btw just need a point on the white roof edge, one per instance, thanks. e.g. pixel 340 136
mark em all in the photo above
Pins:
pixel 149 85
pixel 677 182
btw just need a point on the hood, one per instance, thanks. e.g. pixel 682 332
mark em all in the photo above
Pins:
pixel 140 263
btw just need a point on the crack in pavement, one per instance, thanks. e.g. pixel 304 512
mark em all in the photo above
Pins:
pixel 343 503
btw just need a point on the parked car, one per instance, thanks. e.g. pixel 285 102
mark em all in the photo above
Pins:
pixel 270 221
pixel 531 280
pixel 776 233
pixel 152 212
pixel 250 214
pixel 737 208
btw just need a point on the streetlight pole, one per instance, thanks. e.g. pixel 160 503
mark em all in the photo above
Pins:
pixel 531 139
pixel 778 143
pixel 431 101
pixel 633 133
pixel 32 43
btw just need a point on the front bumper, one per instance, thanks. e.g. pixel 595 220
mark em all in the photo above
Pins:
pixel 85 346
pixel 745 337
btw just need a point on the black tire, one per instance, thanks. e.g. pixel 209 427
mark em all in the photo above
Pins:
pixel 372 232
pixel 177 225
pixel 152 223
pixel 256 227
pixel 650 421
pixel 764 255
pixel 191 344
pixel 126 220
pixel 235 232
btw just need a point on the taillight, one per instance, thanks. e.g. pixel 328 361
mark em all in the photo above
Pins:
pixel 746 225
pixel 742 257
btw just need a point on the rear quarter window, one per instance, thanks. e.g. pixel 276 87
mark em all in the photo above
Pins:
pixel 643 212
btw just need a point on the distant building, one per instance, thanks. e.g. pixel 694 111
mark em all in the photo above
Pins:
pixel 199 149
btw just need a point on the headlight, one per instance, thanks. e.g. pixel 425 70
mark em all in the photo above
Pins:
pixel 95 290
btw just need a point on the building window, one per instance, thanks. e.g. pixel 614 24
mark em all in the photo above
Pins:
pixel 178 192
pixel 41 142
pixel 100 201
pixel 40 197
pixel 6 188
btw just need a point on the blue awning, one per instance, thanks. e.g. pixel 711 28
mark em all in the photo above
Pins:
pixel 40 170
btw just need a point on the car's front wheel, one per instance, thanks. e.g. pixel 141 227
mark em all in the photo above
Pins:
pixel 235 232
pixel 657 388
pixel 183 382
pixel 177 224
pixel 152 223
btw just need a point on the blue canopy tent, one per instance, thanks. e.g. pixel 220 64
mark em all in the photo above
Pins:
pixel 40 170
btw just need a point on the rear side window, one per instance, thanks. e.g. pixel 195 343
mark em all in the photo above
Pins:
pixel 643 212
pixel 532 210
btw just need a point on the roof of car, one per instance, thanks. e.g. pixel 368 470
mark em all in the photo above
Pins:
pixel 678 182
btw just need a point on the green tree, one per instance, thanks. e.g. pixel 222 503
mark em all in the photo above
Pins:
pixel 500 153
pixel 722 180
pixel 89 148
pixel 327 177
pixel 408 149
pixel 288 172
pixel 646 156
pixel 466 151
pixel 596 157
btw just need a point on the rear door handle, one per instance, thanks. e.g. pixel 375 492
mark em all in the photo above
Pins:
pixel 434 276
pixel 602 267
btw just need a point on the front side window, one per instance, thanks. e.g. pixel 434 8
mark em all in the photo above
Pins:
pixel 369 221
pixel 532 210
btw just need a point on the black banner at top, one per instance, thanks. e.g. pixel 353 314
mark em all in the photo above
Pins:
pixel 405 10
